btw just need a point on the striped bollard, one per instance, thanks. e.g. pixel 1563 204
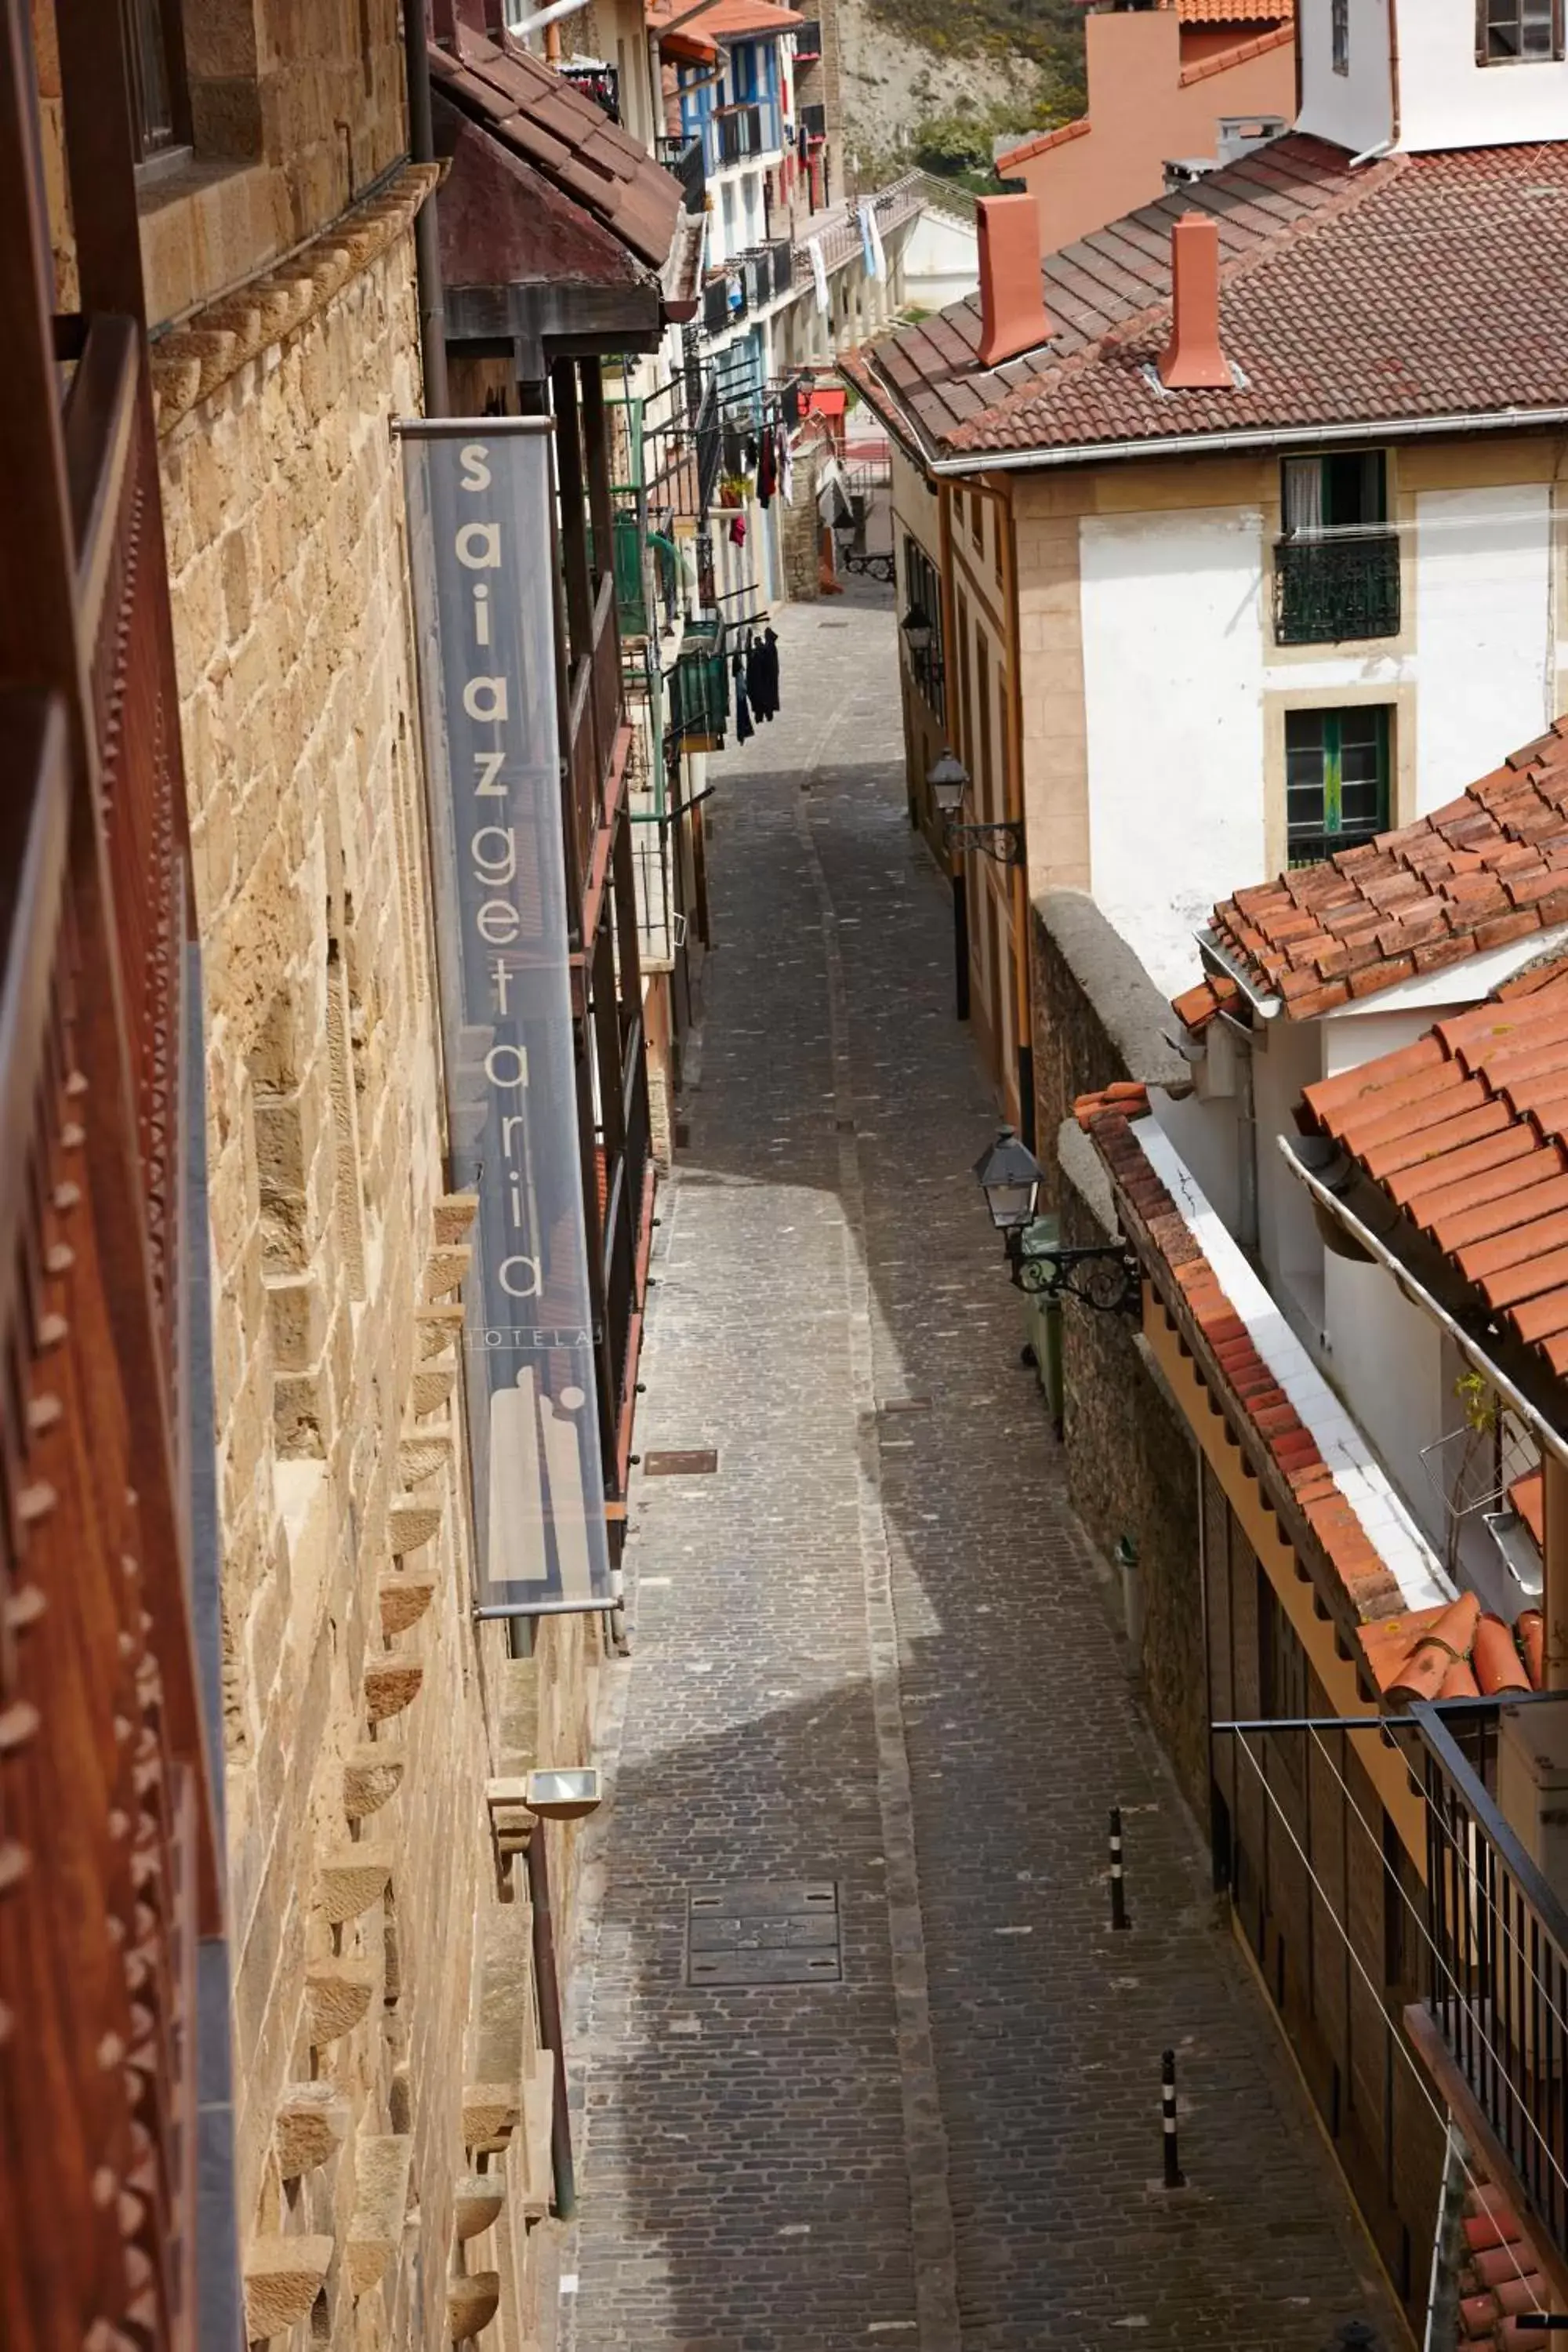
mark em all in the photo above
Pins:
pixel 1175 2177
pixel 1118 1891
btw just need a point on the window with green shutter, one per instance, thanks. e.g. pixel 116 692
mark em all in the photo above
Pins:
pixel 1336 779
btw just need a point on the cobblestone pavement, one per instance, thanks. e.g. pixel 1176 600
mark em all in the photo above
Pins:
pixel 955 2146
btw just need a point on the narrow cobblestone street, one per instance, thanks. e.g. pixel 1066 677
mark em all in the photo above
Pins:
pixel 873 1648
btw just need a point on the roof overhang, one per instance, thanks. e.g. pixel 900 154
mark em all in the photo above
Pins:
pixel 1350 1200
pixel 886 402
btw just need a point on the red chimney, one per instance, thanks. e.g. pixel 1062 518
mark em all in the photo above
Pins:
pixel 1012 303
pixel 1193 361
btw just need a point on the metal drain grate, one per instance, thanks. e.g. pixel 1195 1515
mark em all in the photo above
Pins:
pixel 764 1931
pixel 695 1463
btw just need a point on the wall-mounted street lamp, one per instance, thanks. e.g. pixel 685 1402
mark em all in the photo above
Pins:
pixel 917 631
pixel 1106 1276
pixel 555 1794
pixel 948 784
pixel 1010 1177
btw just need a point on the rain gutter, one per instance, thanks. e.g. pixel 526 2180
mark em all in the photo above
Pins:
pixel 1212 445
pixel 1332 1203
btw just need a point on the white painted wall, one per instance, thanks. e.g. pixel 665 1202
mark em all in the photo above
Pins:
pixel 941 260
pixel 1173 636
pixel 1447 99
pixel 1354 110
pixel 1484 629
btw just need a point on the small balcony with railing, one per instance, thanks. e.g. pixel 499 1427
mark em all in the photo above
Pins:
pixel 685 159
pixel 1336 587
pixel 1492 2029
pixel 742 133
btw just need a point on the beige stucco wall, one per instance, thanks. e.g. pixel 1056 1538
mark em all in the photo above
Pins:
pixel 347 1574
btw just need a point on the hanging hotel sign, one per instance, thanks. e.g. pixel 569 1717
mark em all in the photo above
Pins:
pixel 478 493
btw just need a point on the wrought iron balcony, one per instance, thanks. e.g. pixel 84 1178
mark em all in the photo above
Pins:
pixel 1332 589
pixel 733 134
pixel 809 43
pixel 685 160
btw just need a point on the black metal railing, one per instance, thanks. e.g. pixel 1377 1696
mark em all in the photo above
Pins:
pixel 736 131
pixel 814 122
pixel 1314 848
pixel 1329 590
pixel 782 252
pixel 809 43
pixel 684 158
pixel 716 311
pixel 1498 1996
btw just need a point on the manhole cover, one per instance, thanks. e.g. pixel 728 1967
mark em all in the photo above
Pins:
pixel 695 1463
pixel 764 1931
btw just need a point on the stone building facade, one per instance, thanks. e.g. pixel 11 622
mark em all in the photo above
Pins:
pixel 394 2089
pixel 1131 1471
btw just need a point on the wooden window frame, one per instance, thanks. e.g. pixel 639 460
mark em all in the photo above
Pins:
pixel 168 17
pixel 1330 718
pixel 1340 36
pixel 1488 57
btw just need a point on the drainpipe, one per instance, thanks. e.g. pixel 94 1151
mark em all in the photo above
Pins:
pixel 427 242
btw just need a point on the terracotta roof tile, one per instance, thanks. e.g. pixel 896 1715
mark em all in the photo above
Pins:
pixel 1332 310
pixel 1409 901
pixel 1489 1187
pixel 564 134
pixel 1152 1217
pixel 1236 11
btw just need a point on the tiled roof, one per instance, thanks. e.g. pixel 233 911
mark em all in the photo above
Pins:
pixel 723 20
pixel 1282 37
pixel 1456 1651
pixel 1484 869
pixel 1344 1499
pixel 1502 2284
pixel 564 135
pixel 1236 11
pixel 1045 140
pixel 1346 297
pixel 1466 1132
pixel 1419 1639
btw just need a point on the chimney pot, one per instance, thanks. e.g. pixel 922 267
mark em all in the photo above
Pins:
pixel 1193 361
pixel 1012 316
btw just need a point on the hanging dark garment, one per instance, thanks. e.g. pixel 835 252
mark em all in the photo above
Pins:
pixel 767 467
pixel 789 403
pixel 743 727
pixel 763 677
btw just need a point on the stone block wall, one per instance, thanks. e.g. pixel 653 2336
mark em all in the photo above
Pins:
pixel 1130 1464
pixel 386 2035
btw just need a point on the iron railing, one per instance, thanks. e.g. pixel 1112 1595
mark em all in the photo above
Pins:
pixel 716 310
pixel 733 134
pixel 1498 1992
pixel 808 43
pixel 684 158
pixel 1303 848
pixel 1330 590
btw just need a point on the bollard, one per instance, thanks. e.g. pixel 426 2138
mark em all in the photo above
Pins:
pixel 1175 2177
pixel 1118 1891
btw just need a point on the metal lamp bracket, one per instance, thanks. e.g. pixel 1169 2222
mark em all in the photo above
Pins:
pixel 1107 1277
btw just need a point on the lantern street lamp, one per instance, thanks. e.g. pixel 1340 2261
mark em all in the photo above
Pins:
pixel 1107 1276
pixel 918 631
pixel 1009 1175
